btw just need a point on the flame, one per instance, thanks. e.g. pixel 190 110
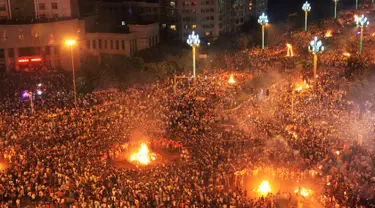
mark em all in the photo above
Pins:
pixel 337 152
pixel 231 79
pixel 346 54
pixel 143 156
pixel 289 50
pixel 301 86
pixel 328 34
pixel 264 188
pixel 303 191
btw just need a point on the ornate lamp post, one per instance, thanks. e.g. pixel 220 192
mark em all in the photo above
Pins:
pixel 316 47
pixel 361 22
pixel 306 7
pixel 263 20
pixel 335 14
pixel 193 41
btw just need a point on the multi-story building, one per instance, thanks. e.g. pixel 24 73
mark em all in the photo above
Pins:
pixel 36 37
pixel 209 18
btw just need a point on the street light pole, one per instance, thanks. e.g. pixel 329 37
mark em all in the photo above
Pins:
pixel 361 22
pixel 74 77
pixel 263 20
pixel 307 8
pixel 356 4
pixel 315 48
pixel 193 41
pixel 335 14
pixel 70 43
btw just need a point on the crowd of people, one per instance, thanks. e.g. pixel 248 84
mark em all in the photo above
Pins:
pixel 61 156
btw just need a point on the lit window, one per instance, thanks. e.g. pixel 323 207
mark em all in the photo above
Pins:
pixel 54 6
pixel 163 26
pixel 42 6
pixel 173 27
pixel 194 26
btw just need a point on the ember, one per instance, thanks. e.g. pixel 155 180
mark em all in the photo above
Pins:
pixel 143 156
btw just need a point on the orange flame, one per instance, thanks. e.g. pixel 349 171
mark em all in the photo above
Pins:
pixel 328 34
pixel 231 79
pixel 303 191
pixel 289 50
pixel 143 156
pixel 264 188
pixel 346 54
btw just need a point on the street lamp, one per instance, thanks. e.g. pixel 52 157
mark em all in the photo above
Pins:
pixel 263 20
pixel 306 7
pixel 361 22
pixel 315 48
pixel 193 41
pixel 70 43
pixel 335 1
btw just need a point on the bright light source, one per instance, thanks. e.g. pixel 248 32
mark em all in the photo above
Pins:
pixel 25 94
pixel 70 42
pixel 39 92
pixel 39 85
pixel 36 59
pixel 23 60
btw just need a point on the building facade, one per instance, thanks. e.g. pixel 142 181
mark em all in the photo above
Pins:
pixel 36 36
pixel 208 18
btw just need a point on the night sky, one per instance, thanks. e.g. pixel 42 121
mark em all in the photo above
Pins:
pixel 280 9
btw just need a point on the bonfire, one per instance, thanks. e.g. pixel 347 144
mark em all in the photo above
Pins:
pixel 264 188
pixel 231 79
pixel 328 34
pixel 144 156
pixel 303 191
pixel 289 50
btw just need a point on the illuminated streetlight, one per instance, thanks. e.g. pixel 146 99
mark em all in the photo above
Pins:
pixel 263 20
pixel 335 1
pixel 361 22
pixel 193 41
pixel 306 7
pixel 70 43
pixel 315 48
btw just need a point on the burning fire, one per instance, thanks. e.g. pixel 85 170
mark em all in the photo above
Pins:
pixel 346 54
pixel 302 86
pixel 264 188
pixel 143 156
pixel 303 191
pixel 289 50
pixel 328 34
pixel 231 79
